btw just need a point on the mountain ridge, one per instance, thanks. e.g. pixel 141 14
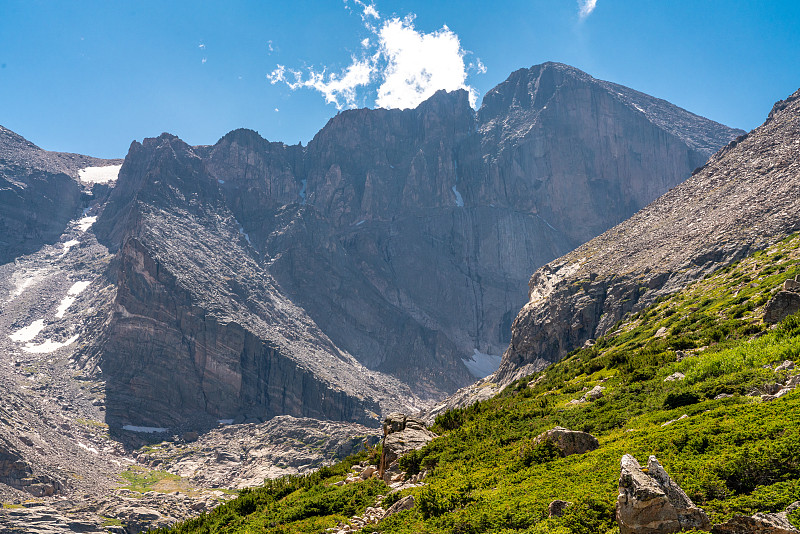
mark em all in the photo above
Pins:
pixel 339 226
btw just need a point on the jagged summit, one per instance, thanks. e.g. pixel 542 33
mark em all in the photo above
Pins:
pixel 526 93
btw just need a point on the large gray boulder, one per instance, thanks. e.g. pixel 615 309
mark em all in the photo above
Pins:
pixel 652 503
pixel 780 306
pixel 401 435
pixel 569 441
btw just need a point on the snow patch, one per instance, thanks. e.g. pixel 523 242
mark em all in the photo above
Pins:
pixel 145 429
pixel 459 199
pixel 637 107
pixel 78 287
pixel 69 244
pixel 66 302
pixel 99 175
pixel 225 421
pixel 48 346
pixel 481 365
pixel 220 181
pixel 23 335
pixel 86 223
pixel 72 292
pixel 247 237
pixel 359 223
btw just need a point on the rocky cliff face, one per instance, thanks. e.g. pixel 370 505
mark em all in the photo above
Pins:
pixel 200 331
pixel 585 154
pixel 397 241
pixel 742 200
pixel 39 194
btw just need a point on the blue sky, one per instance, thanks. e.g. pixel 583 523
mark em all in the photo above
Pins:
pixel 91 76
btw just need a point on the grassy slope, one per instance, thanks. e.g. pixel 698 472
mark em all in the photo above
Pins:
pixel 732 455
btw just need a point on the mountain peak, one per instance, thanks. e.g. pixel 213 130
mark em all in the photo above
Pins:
pixel 557 92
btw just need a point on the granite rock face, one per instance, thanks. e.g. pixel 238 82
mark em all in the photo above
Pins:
pixel 742 200
pixel 200 330
pixel 376 269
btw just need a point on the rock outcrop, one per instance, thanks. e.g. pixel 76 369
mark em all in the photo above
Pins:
pixel 244 455
pixel 401 435
pixel 557 508
pixel 652 503
pixel 742 200
pixel 200 331
pixel 569 442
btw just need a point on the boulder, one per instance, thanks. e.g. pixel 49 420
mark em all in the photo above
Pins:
pixel 780 306
pixel 394 422
pixel 792 284
pixel 594 393
pixel 401 435
pixel 652 503
pixel 406 503
pixel 569 441
pixel 557 508
pixel 368 472
pixel 757 524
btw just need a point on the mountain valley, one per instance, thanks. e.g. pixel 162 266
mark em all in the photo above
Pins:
pixel 197 319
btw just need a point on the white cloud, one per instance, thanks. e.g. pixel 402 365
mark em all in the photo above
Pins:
pixel 277 75
pixel 400 68
pixel 269 46
pixel 478 66
pixel 201 46
pixel 370 11
pixel 418 64
pixel 338 89
pixel 367 10
pixel 203 61
pixel 586 7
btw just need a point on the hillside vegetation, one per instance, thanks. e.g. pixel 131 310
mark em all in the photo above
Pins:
pixel 733 453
